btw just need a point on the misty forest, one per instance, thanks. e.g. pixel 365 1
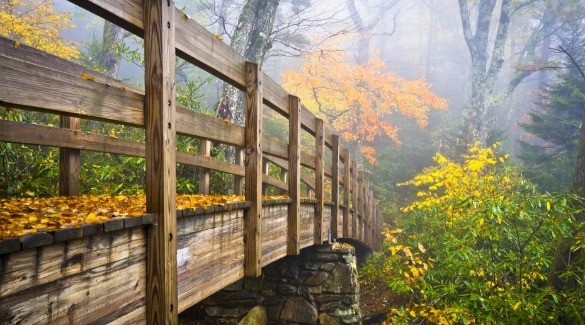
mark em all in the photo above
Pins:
pixel 467 117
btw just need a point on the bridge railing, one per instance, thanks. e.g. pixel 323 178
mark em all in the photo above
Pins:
pixel 34 80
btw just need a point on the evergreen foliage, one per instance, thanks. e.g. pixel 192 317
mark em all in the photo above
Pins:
pixel 549 157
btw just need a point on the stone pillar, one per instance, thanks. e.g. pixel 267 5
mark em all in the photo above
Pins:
pixel 319 286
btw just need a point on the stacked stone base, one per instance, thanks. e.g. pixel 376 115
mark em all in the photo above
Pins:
pixel 320 286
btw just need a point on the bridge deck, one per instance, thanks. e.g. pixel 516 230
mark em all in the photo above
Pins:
pixel 102 277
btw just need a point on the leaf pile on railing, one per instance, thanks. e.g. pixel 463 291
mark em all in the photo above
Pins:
pixel 21 216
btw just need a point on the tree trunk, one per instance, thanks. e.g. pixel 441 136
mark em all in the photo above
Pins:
pixel 251 39
pixel 107 59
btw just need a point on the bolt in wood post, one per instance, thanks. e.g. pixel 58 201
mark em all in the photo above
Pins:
pixel 253 166
pixel 159 107
pixel 204 150
pixel 346 190
pixel 334 185
pixel 319 180
pixel 69 162
pixel 294 176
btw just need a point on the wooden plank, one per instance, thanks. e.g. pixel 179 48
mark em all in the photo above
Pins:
pixel 268 180
pixel 354 200
pixel 360 206
pixel 335 186
pixel 216 239
pixel 284 164
pixel 69 162
pixel 264 173
pixel 18 132
pixel 294 172
pixel 238 180
pixel 26 85
pixel 61 91
pixel 274 233
pixel 160 129
pixel 276 97
pixel 274 148
pixel 204 150
pixel 366 214
pixel 319 181
pixel 346 190
pixel 207 127
pixel 253 163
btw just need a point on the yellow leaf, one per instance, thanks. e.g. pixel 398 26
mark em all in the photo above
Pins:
pixel 16 44
pixel 218 36
pixel 227 120
pixel 548 205
pixel 186 16
pixel 421 248
pixel 412 313
pixel 88 77
pixel 516 305
pixel 32 219
pixel 481 221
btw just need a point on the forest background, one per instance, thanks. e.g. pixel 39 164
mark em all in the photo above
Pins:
pixel 400 81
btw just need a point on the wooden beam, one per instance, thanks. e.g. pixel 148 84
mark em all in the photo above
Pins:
pixel 304 177
pixel 319 181
pixel 346 191
pixel 335 186
pixel 360 206
pixel 294 176
pixel 354 200
pixel 204 150
pixel 159 116
pixel 253 164
pixel 69 162
pixel 264 172
pixel 238 181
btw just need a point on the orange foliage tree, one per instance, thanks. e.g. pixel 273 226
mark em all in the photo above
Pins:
pixel 357 100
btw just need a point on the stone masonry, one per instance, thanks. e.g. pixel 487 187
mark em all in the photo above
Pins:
pixel 317 287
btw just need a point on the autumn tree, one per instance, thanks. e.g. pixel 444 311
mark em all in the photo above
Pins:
pixel 358 100
pixel 36 23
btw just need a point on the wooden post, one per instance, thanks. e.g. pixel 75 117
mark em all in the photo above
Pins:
pixel 253 165
pixel 294 176
pixel 264 172
pixel 354 200
pixel 334 185
pixel 69 162
pixel 283 177
pixel 366 215
pixel 360 206
pixel 319 180
pixel 346 189
pixel 204 150
pixel 372 218
pixel 238 179
pixel 159 120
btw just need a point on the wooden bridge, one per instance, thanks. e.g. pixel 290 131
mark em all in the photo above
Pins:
pixel 147 269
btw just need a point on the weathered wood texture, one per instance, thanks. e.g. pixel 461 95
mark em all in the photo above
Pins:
pixel 307 224
pixel 69 162
pixel 346 192
pixel 319 180
pixel 204 150
pixel 274 232
pixel 253 165
pixel 294 170
pixel 97 279
pixel 160 130
pixel 210 254
pixel 335 186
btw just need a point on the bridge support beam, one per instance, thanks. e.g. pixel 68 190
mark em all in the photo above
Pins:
pixel 159 107
pixel 253 166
